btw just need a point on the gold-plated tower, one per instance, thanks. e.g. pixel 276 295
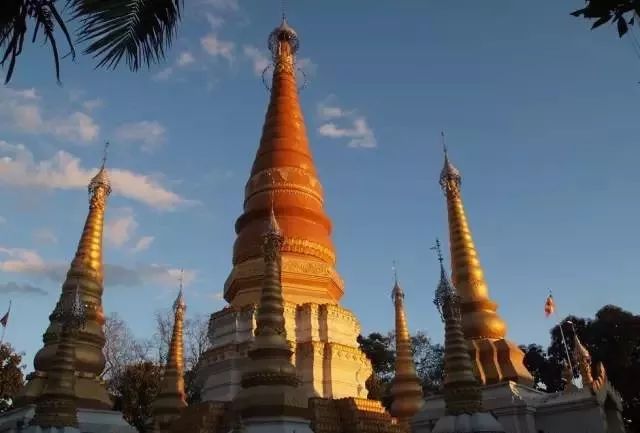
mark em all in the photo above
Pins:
pixel 57 405
pixel 496 359
pixel 461 388
pixel 86 273
pixel 171 399
pixel 406 388
pixel 270 386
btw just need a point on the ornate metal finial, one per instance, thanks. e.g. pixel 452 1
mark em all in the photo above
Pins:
pixel 284 33
pixel 71 312
pixel 179 302
pixel 104 154
pixel 397 292
pixel 284 11
pixel 446 300
pixel 450 177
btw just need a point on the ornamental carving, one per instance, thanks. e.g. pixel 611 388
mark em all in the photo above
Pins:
pixel 294 178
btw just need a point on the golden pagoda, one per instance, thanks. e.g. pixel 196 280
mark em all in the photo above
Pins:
pixel 171 399
pixel 328 359
pixel 86 276
pixel 496 359
pixel 406 388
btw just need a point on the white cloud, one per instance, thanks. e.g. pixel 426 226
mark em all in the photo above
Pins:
pixel 30 264
pixel 307 66
pixel 92 104
pixel 185 59
pixel 354 126
pixel 163 74
pixel 21 110
pixel 216 47
pixel 63 171
pixel 215 22
pixel 45 236
pixel 21 288
pixel 119 229
pixel 259 58
pixel 149 133
pixel 143 244
pixel 230 5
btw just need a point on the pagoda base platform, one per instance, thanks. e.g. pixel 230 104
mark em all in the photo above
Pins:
pixel 324 340
pixel 521 409
pixel 89 420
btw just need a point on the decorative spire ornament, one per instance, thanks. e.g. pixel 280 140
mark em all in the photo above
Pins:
pixel 85 278
pixel 583 359
pixel 462 393
pixel 171 399
pixel 270 386
pixel 406 388
pixel 481 324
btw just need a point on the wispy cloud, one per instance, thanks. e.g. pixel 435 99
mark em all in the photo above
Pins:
pixel 185 59
pixel 215 21
pixel 93 104
pixel 338 123
pixel 229 5
pixel 149 133
pixel 120 226
pixel 64 171
pixel 3 220
pixel 143 244
pixel 215 47
pixel 45 236
pixel 29 263
pixel 21 110
pixel 163 74
pixel 258 57
pixel 21 289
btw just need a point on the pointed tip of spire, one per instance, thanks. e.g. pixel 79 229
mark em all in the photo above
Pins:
pixel 272 226
pixel 179 302
pixel 397 290
pixel 101 179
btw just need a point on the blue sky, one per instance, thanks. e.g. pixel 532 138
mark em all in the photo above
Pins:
pixel 540 116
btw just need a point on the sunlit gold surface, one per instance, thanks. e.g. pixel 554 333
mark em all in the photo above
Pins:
pixel 171 399
pixel 86 274
pixel 496 358
pixel 284 174
pixel 406 388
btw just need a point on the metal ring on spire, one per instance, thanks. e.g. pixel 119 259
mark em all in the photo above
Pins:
pixel 305 79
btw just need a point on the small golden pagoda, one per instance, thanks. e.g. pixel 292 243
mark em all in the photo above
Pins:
pixel 496 359
pixel 86 276
pixel 171 399
pixel 406 388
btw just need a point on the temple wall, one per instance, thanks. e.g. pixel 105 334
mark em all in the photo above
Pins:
pixel 326 352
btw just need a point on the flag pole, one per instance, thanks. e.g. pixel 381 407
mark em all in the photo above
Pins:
pixel 564 340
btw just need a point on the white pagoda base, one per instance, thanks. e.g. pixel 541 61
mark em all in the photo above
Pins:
pixel 521 409
pixel 324 339
pixel 89 420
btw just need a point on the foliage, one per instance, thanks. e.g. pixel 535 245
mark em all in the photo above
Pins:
pixel 136 388
pixel 621 12
pixel 11 377
pixel 136 31
pixel 380 349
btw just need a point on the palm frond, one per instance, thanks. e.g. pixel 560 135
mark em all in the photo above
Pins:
pixel 15 17
pixel 138 31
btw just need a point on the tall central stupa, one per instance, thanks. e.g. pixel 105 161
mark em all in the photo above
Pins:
pixel 283 177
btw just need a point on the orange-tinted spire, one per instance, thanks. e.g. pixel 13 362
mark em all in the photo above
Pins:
pixel 406 389
pixel 86 272
pixel 496 358
pixel 283 173
pixel 171 399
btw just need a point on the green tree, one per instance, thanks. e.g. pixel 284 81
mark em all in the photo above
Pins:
pixel 135 389
pixel 11 377
pixel 621 12
pixel 136 31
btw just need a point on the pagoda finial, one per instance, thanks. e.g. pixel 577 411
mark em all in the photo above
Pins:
pixel 284 10
pixel 283 44
pixel 397 292
pixel 444 144
pixel 450 177
pixel 104 153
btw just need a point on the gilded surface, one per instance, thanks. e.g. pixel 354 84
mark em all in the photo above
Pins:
pixel 86 274
pixel 496 358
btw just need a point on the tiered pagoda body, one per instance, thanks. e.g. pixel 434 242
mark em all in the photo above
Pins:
pixel 322 333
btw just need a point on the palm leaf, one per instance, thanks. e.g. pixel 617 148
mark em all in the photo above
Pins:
pixel 136 31
pixel 15 17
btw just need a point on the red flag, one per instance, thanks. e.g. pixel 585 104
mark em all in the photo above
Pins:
pixel 5 318
pixel 549 306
